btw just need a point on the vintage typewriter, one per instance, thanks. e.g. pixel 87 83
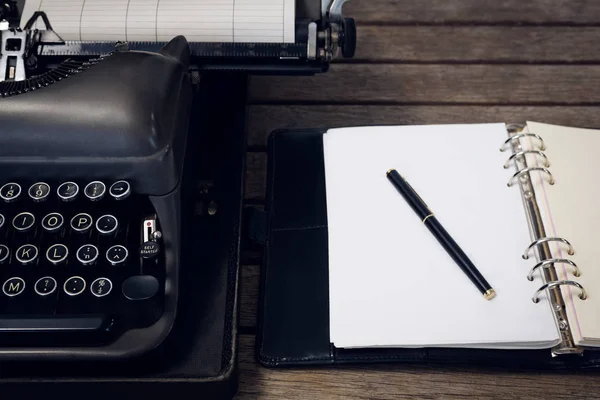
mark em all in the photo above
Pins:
pixel 95 148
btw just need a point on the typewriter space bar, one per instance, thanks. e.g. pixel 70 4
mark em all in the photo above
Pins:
pixel 87 323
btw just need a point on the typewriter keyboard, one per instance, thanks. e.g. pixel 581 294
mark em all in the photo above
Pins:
pixel 78 257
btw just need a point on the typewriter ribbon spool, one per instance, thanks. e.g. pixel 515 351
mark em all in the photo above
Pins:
pixel 540 240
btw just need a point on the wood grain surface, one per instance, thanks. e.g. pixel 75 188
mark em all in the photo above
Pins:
pixel 425 62
pixel 435 84
pixel 506 12
pixel 464 44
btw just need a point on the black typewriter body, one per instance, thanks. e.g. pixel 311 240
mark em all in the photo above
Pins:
pixel 121 193
pixel 90 194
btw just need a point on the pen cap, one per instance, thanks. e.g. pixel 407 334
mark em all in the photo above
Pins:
pixel 410 195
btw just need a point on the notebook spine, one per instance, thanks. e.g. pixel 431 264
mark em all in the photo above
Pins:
pixel 540 245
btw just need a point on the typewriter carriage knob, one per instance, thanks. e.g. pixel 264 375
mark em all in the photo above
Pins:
pixel 339 34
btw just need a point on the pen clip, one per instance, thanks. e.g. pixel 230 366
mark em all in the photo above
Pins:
pixel 416 194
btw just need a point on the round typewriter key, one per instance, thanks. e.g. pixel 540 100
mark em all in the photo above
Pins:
pixel 10 192
pixel 74 285
pixel 4 253
pixel 26 254
pixel 101 287
pixel 45 286
pixel 87 254
pixel 39 191
pixel 23 222
pixel 120 190
pixel 52 222
pixel 117 254
pixel 81 222
pixel 95 190
pixel 57 253
pixel 1 220
pixel 107 224
pixel 67 191
pixel 13 287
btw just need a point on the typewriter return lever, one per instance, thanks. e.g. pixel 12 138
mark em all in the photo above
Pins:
pixel 150 235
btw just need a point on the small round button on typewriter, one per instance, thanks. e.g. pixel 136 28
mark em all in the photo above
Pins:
pixel 95 190
pixel 101 287
pixel 1 220
pixel 10 192
pixel 120 190
pixel 81 222
pixel 74 285
pixel 87 254
pixel 13 286
pixel 23 221
pixel 57 253
pixel 45 286
pixel 149 250
pixel 26 254
pixel 68 191
pixel 53 222
pixel 39 191
pixel 117 254
pixel 4 253
pixel 107 224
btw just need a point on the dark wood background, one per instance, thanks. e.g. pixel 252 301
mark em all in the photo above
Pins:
pixel 424 62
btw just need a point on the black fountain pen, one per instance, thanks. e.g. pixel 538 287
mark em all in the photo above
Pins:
pixel 438 231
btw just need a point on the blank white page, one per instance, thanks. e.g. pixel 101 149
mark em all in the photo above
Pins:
pixel 266 21
pixel 391 283
pixel 572 212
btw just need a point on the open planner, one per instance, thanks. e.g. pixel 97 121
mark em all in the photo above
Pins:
pixel 522 201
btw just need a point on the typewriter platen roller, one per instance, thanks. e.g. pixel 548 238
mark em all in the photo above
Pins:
pixel 320 35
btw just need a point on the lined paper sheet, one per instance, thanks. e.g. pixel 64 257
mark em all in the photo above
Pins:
pixel 570 210
pixel 391 283
pixel 239 21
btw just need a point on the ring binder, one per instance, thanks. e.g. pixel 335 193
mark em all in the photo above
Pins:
pixel 522 153
pixel 550 285
pixel 530 169
pixel 521 135
pixel 546 260
pixel 551 262
pixel 539 241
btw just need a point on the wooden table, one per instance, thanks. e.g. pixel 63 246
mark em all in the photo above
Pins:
pixel 424 62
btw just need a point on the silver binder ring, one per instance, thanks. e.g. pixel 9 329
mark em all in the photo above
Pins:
pixel 550 285
pixel 522 135
pixel 551 262
pixel 571 251
pixel 531 169
pixel 522 153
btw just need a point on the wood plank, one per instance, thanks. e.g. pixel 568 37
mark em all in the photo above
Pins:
pixel 474 11
pixel 250 275
pixel 262 120
pixel 477 44
pixel 437 84
pixel 406 382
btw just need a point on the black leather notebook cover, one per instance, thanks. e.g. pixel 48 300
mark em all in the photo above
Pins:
pixel 293 321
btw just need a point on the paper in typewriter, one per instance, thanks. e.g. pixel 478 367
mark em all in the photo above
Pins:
pixel 240 21
pixel 391 283
pixel 570 210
